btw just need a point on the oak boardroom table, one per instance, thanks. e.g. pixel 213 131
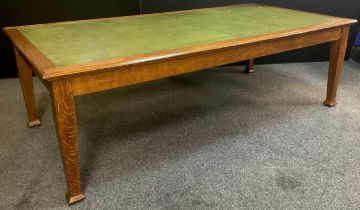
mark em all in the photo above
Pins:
pixel 81 57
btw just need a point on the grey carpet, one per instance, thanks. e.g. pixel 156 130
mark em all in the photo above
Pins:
pixel 215 139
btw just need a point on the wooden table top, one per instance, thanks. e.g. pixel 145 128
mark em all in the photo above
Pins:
pixel 120 40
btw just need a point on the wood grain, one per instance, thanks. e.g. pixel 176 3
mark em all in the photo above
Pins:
pixel 47 71
pixel 65 121
pixel 151 70
pixel 70 71
pixel 337 55
pixel 27 87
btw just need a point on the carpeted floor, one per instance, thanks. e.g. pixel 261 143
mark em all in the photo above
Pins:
pixel 215 139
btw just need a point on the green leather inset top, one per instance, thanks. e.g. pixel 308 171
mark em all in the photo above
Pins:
pixel 81 42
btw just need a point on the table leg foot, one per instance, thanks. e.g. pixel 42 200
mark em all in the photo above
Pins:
pixel 34 123
pixel 249 71
pixel 330 103
pixel 74 199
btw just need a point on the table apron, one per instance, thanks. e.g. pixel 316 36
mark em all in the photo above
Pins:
pixel 122 76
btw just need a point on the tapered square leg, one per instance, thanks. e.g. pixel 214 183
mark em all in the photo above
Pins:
pixel 65 120
pixel 249 66
pixel 337 55
pixel 27 87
